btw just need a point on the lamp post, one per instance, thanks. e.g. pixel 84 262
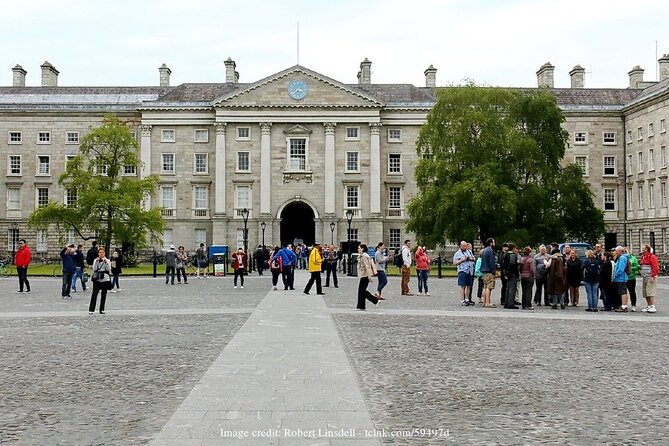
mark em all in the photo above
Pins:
pixel 245 216
pixel 263 225
pixel 349 217
pixel 332 228
pixel 15 236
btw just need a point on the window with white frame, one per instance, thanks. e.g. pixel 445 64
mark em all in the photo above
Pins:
pixel 69 158
pixel 663 156
pixel 201 163
pixel 70 236
pixel 13 199
pixel 394 135
pixel 42 241
pixel 352 234
pixel 297 154
pixel 167 163
pixel 43 137
pixel 13 237
pixel 582 162
pixel 651 159
pixel 15 137
pixel 243 161
pixel 201 201
pixel 243 133
pixel 639 159
pixel 352 133
pixel 395 198
pixel 651 196
pixel 394 163
pixel 129 169
pixel 639 133
pixel 240 238
pixel 167 238
pixel 71 137
pixel 14 165
pixel 201 135
pixel 609 138
pixel 609 165
pixel 168 135
pixel 630 199
pixel 663 194
pixel 629 137
pixel 200 236
pixel 243 197
pixel 70 197
pixel 101 169
pixel 43 165
pixel 168 202
pixel 629 164
pixel 42 196
pixel 352 163
pixel 641 201
pixel 651 130
pixel 609 199
pixel 663 126
pixel 394 238
pixel 352 197
pixel 580 138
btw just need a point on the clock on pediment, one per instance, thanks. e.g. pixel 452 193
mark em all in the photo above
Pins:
pixel 298 89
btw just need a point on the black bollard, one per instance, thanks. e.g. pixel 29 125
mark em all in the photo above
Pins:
pixel 155 264
pixel 439 262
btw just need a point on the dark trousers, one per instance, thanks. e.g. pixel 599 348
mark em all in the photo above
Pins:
pixel 331 268
pixel 98 287
pixel 364 294
pixel 631 290
pixel 479 290
pixel 526 284
pixel 67 284
pixel 181 272
pixel 23 277
pixel 511 288
pixel 504 293
pixel 239 272
pixel 541 283
pixel 169 274
pixel 315 277
pixel 287 276
pixel 275 276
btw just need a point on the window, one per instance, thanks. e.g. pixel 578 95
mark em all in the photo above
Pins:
pixel 651 159
pixel 629 164
pixel 640 196
pixel 167 201
pixel 43 165
pixel 582 162
pixel 240 237
pixel 72 138
pixel 42 196
pixel 129 169
pixel 15 138
pixel 651 196
pixel 70 197
pixel 13 199
pixel 201 163
pixel 44 138
pixel 243 133
pixel 352 133
pixel 651 131
pixel 580 138
pixel 394 238
pixel 394 135
pixel 352 197
pixel 630 200
pixel 629 137
pixel 167 238
pixel 243 162
pixel 663 156
pixel 609 165
pixel 168 163
pixel 168 135
pixel 663 126
pixel 42 243
pixel 352 234
pixel 201 201
pixel 664 240
pixel 639 159
pixel 394 163
pixel 70 236
pixel 14 165
pixel 242 198
pixel 297 156
pixel 639 133
pixel 394 201
pixel 609 138
pixel 200 237
pixel 663 194
pixel 352 162
pixel 13 237
pixel 609 199
pixel 69 158
pixel 201 135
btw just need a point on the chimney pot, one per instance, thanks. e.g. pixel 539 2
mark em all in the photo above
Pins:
pixel 577 75
pixel 664 67
pixel 164 75
pixel 19 76
pixel 49 75
pixel 545 75
pixel 230 66
pixel 365 72
pixel 636 77
pixel 430 77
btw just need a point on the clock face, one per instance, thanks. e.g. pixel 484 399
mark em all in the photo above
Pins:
pixel 298 89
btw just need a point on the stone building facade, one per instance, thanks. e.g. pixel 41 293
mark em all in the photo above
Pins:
pixel 298 150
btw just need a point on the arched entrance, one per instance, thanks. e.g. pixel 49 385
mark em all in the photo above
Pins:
pixel 297 222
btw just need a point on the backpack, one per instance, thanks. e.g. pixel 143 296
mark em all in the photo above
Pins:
pixel 591 269
pixel 398 261
pixel 628 267
pixel 275 263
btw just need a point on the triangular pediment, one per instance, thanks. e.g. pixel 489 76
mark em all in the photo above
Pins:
pixel 297 129
pixel 280 91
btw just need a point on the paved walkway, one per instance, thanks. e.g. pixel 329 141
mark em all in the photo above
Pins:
pixel 283 379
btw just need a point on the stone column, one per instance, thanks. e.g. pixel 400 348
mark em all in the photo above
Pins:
pixel 145 159
pixel 329 168
pixel 375 170
pixel 219 207
pixel 265 168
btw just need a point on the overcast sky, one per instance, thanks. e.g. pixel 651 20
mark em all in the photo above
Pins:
pixel 123 42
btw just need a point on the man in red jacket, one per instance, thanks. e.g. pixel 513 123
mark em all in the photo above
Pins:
pixel 21 261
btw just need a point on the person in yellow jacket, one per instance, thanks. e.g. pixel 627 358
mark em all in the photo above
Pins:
pixel 315 260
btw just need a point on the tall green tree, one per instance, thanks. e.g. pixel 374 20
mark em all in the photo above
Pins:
pixel 104 204
pixel 490 166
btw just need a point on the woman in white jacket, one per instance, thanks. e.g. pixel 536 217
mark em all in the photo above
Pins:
pixel 101 278
pixel 366 274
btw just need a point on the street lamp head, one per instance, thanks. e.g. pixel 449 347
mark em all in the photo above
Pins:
pixel 332 226
pixel 263 225
pixel 349 215
pixel 245 214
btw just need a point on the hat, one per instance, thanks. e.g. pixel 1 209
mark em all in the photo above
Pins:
pixel 316 243
pixel 171 246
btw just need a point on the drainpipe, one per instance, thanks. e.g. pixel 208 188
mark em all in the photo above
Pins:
pixel 624 182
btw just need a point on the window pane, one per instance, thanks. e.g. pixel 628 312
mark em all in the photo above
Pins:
pixel 298 154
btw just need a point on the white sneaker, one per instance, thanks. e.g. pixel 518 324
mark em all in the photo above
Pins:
pixel 242 286
pixel 235 286
pixel 633 309
pixel 649 309
pixel 118 289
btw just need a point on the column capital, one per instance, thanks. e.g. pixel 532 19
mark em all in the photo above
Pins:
pixel 375 128
pixel 146 129
pixel 265 128
pixel 329 127
pixel 220 127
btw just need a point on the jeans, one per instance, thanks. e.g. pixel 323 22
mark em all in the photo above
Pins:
pixel 526 285
pixel 67 283
pixel 286 276
pixel 479 290
pixel 541 283
pixel 78 274
pixel 114 282
pixel 22 272
pixel 423 274
pixel 383 281
pixel 511 289
pixel 592 290
pixel 169 274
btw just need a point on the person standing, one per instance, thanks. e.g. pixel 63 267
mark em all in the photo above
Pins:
pixel 201 261
pixel 422 269
pixel 464 260
pixel 406 268
pixel 182 259
pixel 101 280
pixel 502 276
pixel 620 272
pixel 479 276
pixel 170 265
pixel 511 271
pixel 366 275
pixel 574 277
pixel 116 269
pixel 557 280
pixel 591 266
pixel 78 269
pixel 259 258
pixel 331 260
pixel 527 277
pixel 67 256
pixel 649 269
pixel 606 280
pixel 631 278
pixel 92 253
pixel 315 261
pixel 488 269
pixel 239 260
pixel 275 265
pixel 380 259
pixel 540 276
pixel 22 261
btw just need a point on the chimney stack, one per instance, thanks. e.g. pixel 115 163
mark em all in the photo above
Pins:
pixel 636 77
pixel 431 77
pixel 577 75
pixel 664 67
pixel 49 75
pixel 545 75
pixel 164 75
pixel 230 77
pixel 19 76
pixel 365 72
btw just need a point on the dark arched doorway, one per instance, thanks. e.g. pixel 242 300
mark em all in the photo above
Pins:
pixel 297 222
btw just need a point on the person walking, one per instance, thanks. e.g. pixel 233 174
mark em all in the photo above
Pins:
pixel 422 270
pixel 275 265
pixel 288 260
pixel 366 275
pixel 78 269
pixel 170 265
pixel 631 278
pixel 239 260
pixel 591 267
pixel 67 255
pixel 331 260
pixel 201 262
pixel 381 260
pixel 526 267
pixel 649 269
pixel 182 259
pixel 315 261
pixel 22 260
pixel 101 281
pixel 116 269
pixel 406 268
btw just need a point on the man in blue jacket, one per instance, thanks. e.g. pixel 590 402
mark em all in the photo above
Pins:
pixel 488 269
pixel 68 256
pixel 620 280
pixel 288 259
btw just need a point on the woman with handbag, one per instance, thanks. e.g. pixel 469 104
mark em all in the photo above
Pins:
pixel 365 273
pixel 101 281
